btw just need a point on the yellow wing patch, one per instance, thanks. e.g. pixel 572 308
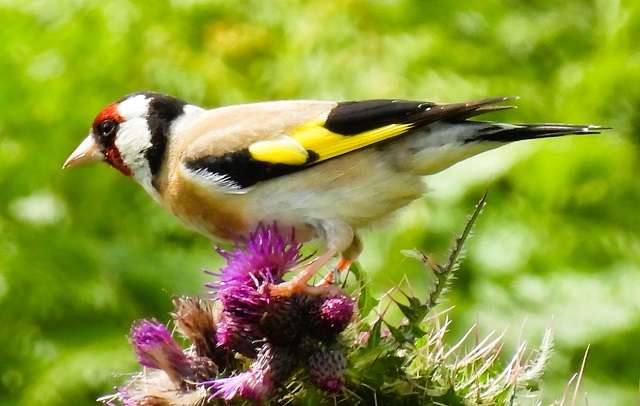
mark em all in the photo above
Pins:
pixel 280 150
pixel 313 136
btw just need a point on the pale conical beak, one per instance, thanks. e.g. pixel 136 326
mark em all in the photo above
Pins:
pixel 88 151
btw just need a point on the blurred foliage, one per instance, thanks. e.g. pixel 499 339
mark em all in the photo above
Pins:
pixel 82 253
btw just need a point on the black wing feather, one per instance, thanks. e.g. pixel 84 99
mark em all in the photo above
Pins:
pixel 350 118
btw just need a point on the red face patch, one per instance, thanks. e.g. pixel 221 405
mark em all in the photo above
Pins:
pixel 112 156
pixel 105 128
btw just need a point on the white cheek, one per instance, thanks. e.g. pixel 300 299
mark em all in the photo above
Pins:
pixel 133 140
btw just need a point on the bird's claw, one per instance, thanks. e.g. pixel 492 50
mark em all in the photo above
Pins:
pixel 300 284
pixel 292 287
pixel 333 277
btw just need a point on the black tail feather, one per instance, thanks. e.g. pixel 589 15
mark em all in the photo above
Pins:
pixel 509 133
pixel 470 109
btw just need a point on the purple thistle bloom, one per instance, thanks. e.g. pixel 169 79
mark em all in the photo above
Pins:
pixel 238 336
pixel 156 349
pixel 248 385
pixel 243 307
pixel 265 258
pixel 332 316
pixel 272 367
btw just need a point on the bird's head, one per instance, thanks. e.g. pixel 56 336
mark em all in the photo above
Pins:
pixel 131 135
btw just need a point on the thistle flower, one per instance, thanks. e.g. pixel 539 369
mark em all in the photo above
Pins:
pixel 389 363
pixel 331 316
pixel 265 258
pixel 155 348
pixel 196 320
pixel 326 368
pixel 237 336
pixel 153 388
pixel 272 367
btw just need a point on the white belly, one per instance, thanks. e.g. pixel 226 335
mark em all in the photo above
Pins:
pixel 357 191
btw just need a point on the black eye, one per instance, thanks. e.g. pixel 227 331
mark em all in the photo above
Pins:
pixel 107 128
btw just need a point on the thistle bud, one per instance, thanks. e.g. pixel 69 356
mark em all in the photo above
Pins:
pixel 326 368
pixel 331 316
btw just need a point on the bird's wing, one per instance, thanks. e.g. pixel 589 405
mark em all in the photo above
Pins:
pixel 350 126
pixel 242 158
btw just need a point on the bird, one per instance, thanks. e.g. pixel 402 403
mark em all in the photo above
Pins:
pixel 326 169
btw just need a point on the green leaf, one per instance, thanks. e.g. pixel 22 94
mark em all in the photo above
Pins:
pixel 398 334
pixel 406 333
pixel 415 312
pixel 374 334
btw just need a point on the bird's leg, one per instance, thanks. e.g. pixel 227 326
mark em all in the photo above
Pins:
pixel 347 257
pixel 328 279
pixel 299 284
pixel 333 275
pixel 340 237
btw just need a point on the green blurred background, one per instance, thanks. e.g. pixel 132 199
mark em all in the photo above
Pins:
pixel 84 252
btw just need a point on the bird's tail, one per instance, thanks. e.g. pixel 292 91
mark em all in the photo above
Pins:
pixel 462 113
pixel 504 133
pixel 460 137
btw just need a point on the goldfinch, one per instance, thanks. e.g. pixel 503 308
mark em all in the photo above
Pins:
pixel 323 168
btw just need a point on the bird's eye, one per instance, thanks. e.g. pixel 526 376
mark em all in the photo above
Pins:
pixel 107 128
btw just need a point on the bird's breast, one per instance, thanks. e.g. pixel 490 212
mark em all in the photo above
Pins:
pixel 219 217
